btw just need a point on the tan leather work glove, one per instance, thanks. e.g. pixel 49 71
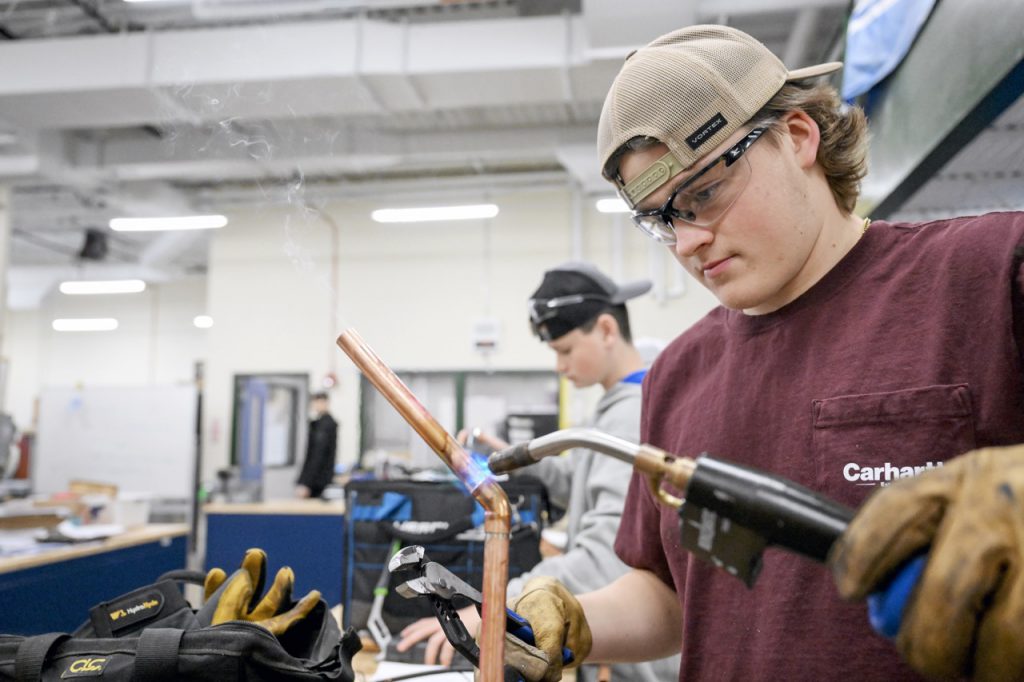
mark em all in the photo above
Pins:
pixel 238 601
pixel 557 621
pixel 966 616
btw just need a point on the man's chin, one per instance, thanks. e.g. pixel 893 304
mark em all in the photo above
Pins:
pixel 733 299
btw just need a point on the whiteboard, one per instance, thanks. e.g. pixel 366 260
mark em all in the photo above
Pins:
pixel 141 438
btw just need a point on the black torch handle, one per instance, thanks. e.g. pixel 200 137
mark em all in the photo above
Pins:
pixel 782 512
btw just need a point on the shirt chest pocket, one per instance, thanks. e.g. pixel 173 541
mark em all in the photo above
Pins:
pixel 864 441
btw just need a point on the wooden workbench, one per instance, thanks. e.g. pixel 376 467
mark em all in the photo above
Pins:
pixel 52 591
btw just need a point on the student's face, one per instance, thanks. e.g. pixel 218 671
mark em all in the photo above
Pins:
pixel 755 256
pixel 580 356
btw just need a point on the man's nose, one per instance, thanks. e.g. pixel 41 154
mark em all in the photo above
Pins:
pixel 690 239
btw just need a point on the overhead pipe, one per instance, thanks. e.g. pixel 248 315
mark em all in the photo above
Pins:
pixel 474 477
pixel 357 63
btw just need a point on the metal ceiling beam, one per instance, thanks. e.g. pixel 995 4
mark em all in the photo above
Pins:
pixel 612 23
pixel 194 155
pixel 714 8
pixel 284 71
pixel 965 68
pixel 90 10
pixel 797 52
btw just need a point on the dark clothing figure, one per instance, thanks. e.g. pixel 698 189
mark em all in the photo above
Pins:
pixel 321 449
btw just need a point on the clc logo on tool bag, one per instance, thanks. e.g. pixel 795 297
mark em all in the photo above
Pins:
pixel 85 667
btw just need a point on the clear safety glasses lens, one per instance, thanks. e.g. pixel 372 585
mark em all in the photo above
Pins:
pixel 656 228
pixel 700 204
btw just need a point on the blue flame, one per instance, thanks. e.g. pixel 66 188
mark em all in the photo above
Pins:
pixel 478 470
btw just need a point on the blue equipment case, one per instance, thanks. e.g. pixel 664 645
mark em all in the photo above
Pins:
pixel 445 520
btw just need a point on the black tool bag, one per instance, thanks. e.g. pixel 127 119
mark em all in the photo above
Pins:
pixel 382 516
pixel 153 634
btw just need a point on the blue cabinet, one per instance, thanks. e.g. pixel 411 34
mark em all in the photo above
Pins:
pixel 306 535
pixel 53 592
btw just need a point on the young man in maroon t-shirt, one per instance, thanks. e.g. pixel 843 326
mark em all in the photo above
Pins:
pixel 846 356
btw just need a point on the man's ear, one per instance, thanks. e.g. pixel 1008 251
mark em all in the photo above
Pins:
pixel 608 326
pixel 804 136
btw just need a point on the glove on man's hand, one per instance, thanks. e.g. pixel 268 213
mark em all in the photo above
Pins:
pixel 238 600
pixel 557 621
pixel 531 663
pixel 966 614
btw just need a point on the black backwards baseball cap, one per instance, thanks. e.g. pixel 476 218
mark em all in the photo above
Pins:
pixel 573 294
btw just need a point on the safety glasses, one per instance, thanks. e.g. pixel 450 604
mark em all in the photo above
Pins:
pixel 705 196
pixel 544 309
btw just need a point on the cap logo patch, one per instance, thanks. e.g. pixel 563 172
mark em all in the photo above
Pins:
pixel 703 133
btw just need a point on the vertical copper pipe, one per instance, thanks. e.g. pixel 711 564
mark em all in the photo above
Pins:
pixel 477 481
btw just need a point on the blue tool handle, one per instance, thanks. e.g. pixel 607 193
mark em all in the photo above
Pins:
pixel 885 607
pixel 519 627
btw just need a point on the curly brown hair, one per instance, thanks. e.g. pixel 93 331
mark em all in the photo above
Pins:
pixel 842 153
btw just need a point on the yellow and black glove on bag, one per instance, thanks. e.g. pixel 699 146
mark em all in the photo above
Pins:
pixel 240 596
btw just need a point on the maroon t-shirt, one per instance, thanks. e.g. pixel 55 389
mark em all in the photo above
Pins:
pixel 902 356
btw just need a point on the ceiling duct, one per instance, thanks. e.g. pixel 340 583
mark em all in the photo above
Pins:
pixel 247 9
pixel 617 28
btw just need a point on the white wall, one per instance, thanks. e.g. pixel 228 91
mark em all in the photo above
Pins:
pixel 155 343
pixel 280 292
pixel 21 352
pixel 411 291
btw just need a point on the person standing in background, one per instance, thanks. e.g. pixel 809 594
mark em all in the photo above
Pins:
pixel 321 449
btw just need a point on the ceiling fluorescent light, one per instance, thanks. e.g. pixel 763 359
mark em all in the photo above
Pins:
pixel 615 205
pixel 188 222
pixel 112 286
pixel 202 321
pixel 94 324
pixel 433 213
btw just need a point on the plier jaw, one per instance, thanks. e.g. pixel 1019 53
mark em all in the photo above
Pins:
pixel 442 587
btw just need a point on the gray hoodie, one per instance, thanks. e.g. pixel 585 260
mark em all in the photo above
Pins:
pixel 592 489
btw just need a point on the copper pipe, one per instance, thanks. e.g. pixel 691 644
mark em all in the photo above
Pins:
pixel 477 481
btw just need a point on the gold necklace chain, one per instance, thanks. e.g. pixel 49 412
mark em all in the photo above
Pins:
pixel 867 224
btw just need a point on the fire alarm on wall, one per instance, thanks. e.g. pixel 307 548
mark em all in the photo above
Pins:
pixel 485 334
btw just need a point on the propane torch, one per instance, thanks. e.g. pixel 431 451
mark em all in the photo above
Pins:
pixel 730 513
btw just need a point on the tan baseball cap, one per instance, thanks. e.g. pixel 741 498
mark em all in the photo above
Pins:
pixel 691 89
